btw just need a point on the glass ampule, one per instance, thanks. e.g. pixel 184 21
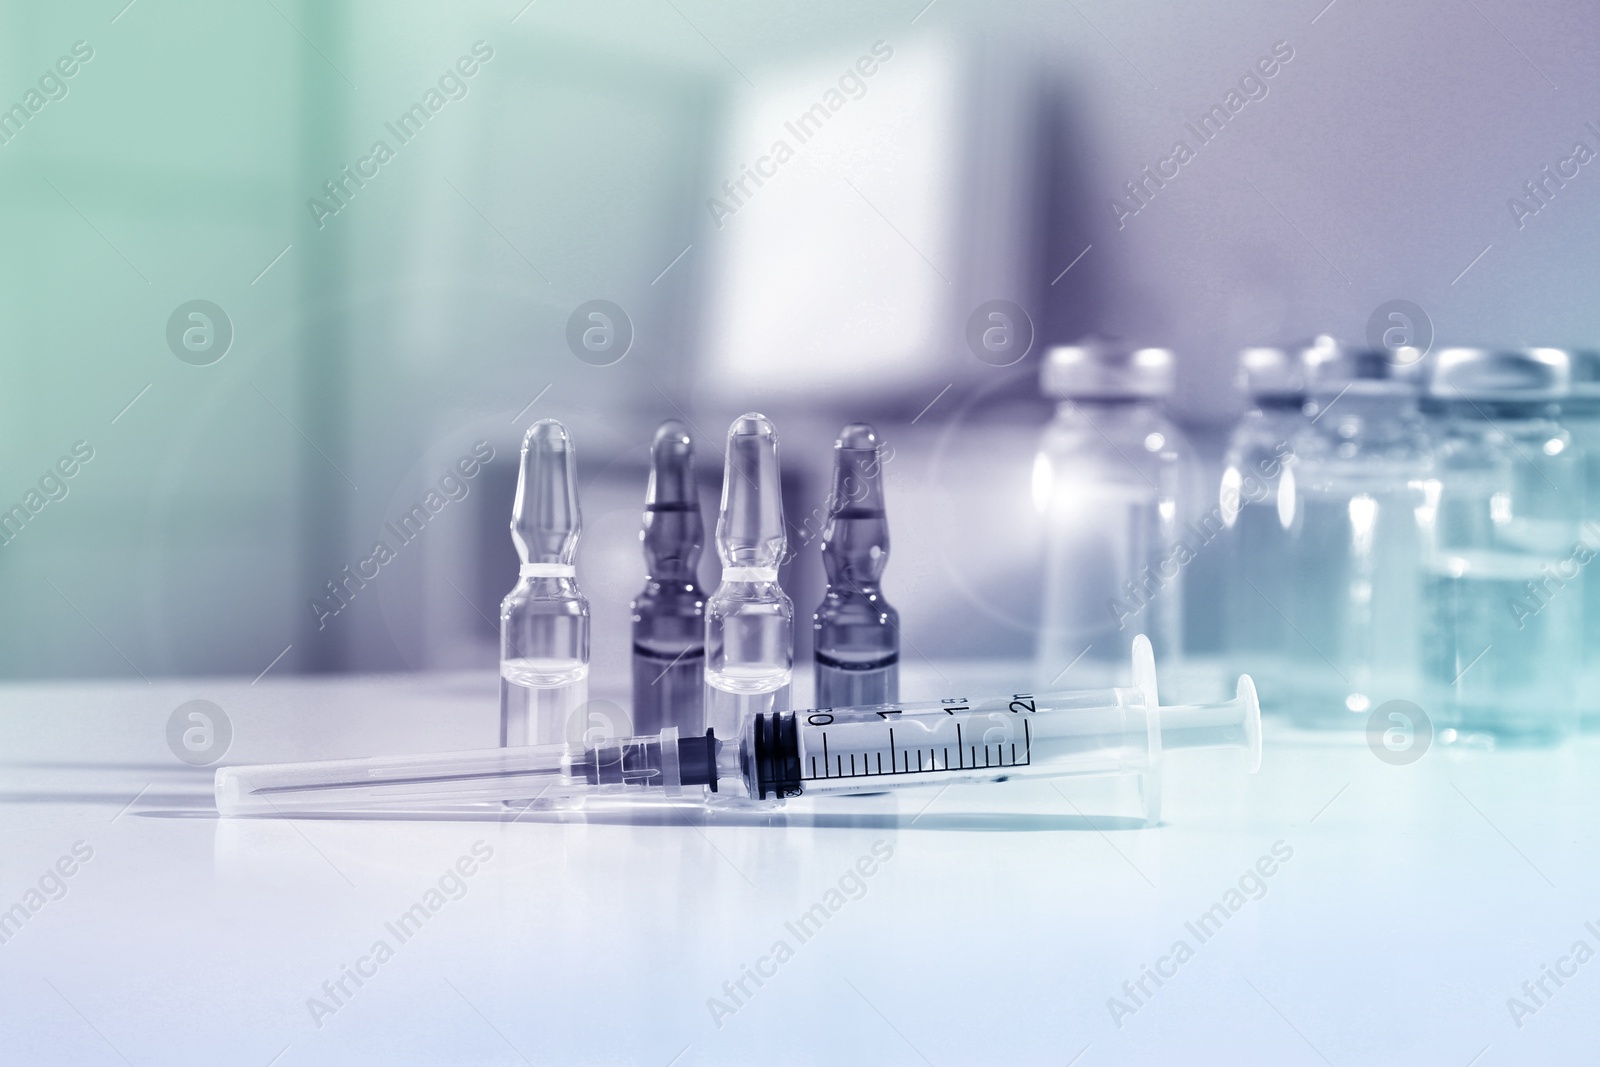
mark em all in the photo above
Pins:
pixel 669 650
pixel 857 633
pixel 749 621
pixel 544 620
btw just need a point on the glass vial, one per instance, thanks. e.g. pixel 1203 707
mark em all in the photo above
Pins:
pixel 1503 551
pixel 1350 498
pixel 1109 479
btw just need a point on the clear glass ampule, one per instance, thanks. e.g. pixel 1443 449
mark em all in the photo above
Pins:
pixel 669 630
pixel 749 620
pixel 544 620
pixel 857 644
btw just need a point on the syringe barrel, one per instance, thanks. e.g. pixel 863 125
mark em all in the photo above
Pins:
pixel 1100 732
pixel 855 750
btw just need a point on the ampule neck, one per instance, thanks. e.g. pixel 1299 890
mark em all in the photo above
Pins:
pixel 750 530
pixel 673 530
pixel 673 535
pixel 546 520
pixel 855 541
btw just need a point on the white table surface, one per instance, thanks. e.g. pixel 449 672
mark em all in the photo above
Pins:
pixel 1418 899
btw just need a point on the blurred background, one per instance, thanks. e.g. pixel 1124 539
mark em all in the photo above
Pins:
pixel 793 208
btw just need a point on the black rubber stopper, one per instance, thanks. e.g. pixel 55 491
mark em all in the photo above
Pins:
pixel 777 739
pixel 697 760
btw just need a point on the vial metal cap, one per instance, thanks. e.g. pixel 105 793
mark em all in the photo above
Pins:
pixel 1270 372
pixel 1585 373
pixel 1332 366
pixel 1102 368
pixel 1532 374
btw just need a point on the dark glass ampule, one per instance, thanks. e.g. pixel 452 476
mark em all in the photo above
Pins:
pixel 857 632
pixel 669 651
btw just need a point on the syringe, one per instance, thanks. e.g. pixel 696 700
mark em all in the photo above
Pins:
pixel 779 755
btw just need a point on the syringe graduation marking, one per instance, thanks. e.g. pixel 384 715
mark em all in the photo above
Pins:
pixel 833 763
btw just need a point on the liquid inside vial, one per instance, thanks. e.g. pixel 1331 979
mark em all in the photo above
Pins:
pixel 538 697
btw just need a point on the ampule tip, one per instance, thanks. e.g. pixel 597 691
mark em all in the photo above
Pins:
pixel 672 480
pixel 549 435
pixel 858 436
pixel 752 424
pixel 672 436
